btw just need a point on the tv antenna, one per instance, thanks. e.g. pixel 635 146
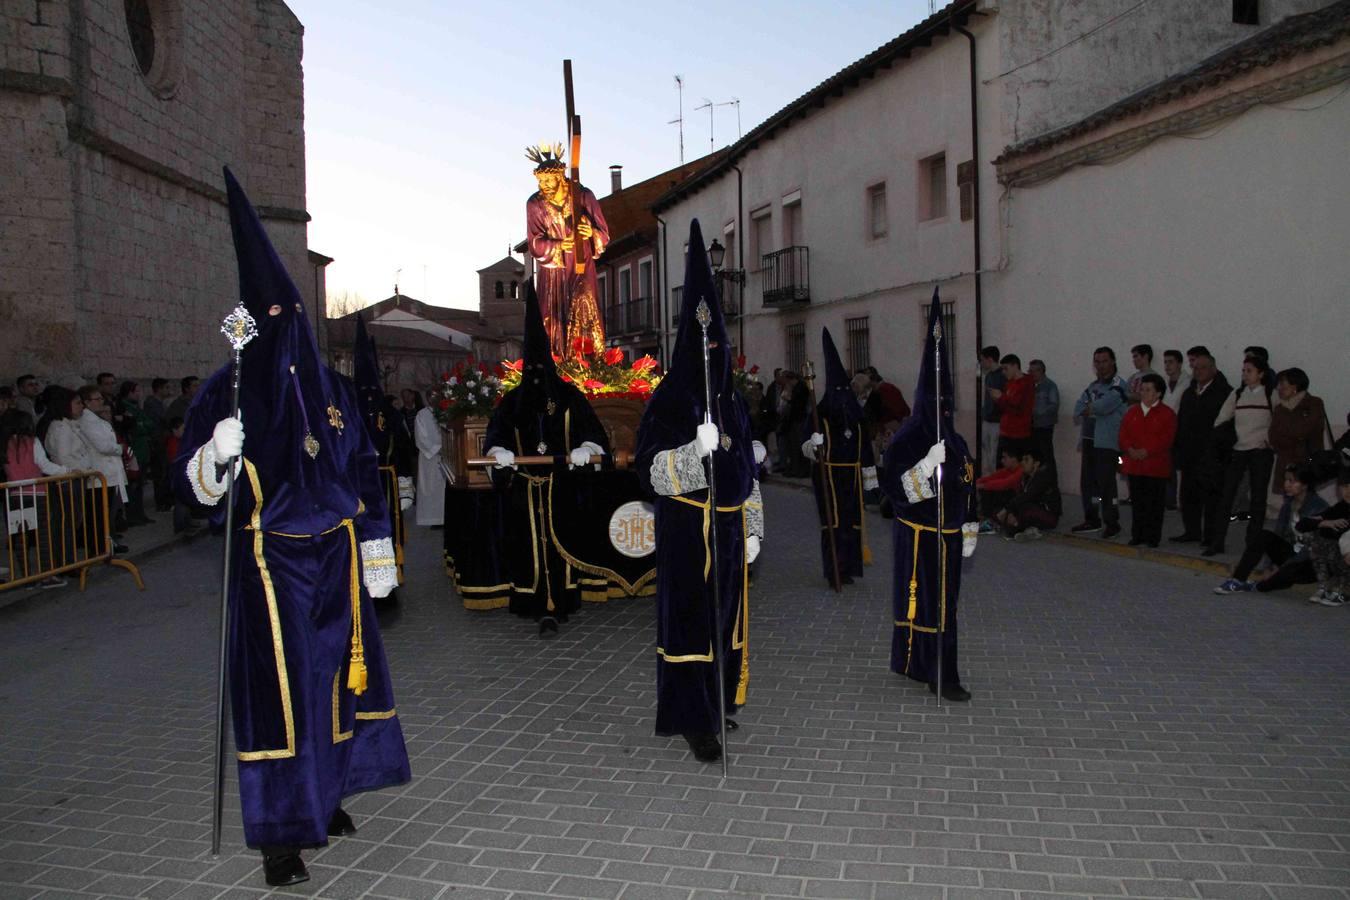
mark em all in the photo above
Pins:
pixel 679 86
pixel 736 102
pixel 708 105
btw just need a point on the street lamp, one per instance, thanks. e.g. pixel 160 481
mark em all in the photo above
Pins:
pixel 716 254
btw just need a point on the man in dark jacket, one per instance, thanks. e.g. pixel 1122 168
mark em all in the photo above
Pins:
pixel 1037 505
pixel 1200 453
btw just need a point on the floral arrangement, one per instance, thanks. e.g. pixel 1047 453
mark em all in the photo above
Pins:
pixel 469 389
pixel 597 372
pixel 742 378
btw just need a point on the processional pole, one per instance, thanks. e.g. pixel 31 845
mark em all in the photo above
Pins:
pixel 704 317
pixel 941 538
pixel 239 328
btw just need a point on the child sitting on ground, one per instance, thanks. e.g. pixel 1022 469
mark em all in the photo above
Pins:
pixel 1037 505
pixel 1324 534
pixel 997 488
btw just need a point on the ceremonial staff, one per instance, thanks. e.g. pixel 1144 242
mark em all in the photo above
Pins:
pixel 239 328
pixel 809 376
pixel 942 547
pixel 704 316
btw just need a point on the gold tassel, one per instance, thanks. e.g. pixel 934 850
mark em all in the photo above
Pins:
pixel 867 553
pixel 913 599
pixel 356 676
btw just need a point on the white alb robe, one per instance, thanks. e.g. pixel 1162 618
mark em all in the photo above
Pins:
pixel 430 481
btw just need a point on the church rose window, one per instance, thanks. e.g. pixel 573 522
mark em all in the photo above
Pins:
pixel 141 28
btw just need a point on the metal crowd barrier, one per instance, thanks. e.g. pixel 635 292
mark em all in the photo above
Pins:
pixel 56 526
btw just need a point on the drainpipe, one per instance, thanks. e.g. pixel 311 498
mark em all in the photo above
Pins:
pixel 661 292
pixel 740 255
pixel 979 297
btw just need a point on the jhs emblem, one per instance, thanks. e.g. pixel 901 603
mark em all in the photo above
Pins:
pixel 632 529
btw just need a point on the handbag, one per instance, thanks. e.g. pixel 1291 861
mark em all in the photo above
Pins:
pixel 1327 462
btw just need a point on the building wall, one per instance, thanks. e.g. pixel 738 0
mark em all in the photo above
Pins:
pixel 878 132
pixel 1066 59
pixel 1232 240
pixel 117 239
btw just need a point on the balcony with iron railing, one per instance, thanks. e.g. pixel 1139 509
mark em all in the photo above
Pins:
pixel 635 317
pixel 730 289
pixel 785 276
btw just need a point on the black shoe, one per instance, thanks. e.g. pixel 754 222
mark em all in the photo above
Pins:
pixel 1084 527
pixel 548 625
pixel 1110 532
pixel 706 747
pixel 1185 538
pixel 341 825
pixel 1239 517
pixel 732 724
pixel 1211 551
pixel 121 548
pixel 953 692
pixel 284 869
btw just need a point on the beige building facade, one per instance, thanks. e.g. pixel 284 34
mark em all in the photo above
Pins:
pixel 116 118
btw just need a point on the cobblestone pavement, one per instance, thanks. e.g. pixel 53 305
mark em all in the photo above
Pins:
pixel 1131 735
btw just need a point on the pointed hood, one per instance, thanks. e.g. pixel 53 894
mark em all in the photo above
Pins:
pixel 685 372
pixel 837 401
pixel 539 379
pixel 284 388
pixel 676 407
pixel 936 345
pixel 366 373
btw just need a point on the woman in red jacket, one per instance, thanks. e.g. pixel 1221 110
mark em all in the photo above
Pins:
pixel 1146 435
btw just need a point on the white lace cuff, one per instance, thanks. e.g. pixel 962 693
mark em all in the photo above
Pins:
pixel 918 487
pixel 678 471
pixel 378 566
pixel 869 477
pixel 970 534
pixel 207 484
pixel 754 512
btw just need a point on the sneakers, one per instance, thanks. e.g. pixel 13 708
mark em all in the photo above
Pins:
pixel 1233 586
pixel 51 581
pixel 987 527
pixel 1085 527
pixel 1030 534
pixel 1332 598
pixel 1319 596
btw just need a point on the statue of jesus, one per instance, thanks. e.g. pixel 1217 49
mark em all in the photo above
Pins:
pixel 567 299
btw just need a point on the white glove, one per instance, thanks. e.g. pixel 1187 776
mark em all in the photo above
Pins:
pixel 578 457
pixel 869 474
pixel 227 441
pixel 936 456
pixel 970 533
pixel 808 449
pixel 505 458
pixel 405 493
pixel 817 438
pixel 761 452
pixel 751 548
pixel 706 438
pixel 379 589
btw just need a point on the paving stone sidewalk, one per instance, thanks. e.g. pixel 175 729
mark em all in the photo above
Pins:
pixel 1131 735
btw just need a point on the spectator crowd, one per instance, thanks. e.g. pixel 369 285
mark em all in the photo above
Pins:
pixel 117 429
pixel 1256 456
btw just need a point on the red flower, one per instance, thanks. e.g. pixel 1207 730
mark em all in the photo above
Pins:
pixel 445 404
pixel 516 366
pixel 644 364
pixel 639 386
pixel 445 376
pixel 482 368
pixel 577 345
pixel 556 359
pixel 593 385
pixel 613 356
pixel 564 376
pixel 581 361
pixel 754 370
pixel 740 361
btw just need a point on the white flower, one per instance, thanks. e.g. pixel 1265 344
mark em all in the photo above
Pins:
pixel 487 391
pixel 470 383
pixel 453 381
